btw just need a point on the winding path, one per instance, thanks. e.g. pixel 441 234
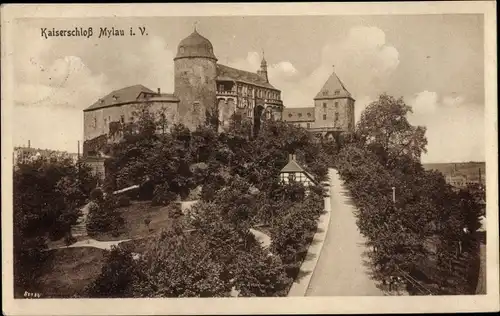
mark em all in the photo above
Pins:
pixel 341 268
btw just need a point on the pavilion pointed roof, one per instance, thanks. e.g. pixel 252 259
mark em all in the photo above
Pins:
pixel 333 88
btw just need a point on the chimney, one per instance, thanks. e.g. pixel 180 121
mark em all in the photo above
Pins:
pixel 29 143
pixel 159 91
pixel 290 157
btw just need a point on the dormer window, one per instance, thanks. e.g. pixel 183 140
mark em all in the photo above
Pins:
pixel 300 114
pixel 325 93
pixel 337 92
pixel 115 98
pixel 309 114
pixel 289 114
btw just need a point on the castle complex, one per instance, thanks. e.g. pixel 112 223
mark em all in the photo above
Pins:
pixel 204 87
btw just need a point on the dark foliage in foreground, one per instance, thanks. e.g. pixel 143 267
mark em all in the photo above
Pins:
pixel 48 195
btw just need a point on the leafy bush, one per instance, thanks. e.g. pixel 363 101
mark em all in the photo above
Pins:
pixel 116 278
pixel 96 194
pixel 104 217
pixel 162 195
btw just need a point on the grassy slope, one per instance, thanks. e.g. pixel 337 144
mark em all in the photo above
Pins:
pixel 134 216
pixel 69 270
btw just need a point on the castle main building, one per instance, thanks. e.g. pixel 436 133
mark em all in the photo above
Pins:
pixel 203 86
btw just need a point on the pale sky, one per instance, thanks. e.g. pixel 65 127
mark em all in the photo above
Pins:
pixel 435 62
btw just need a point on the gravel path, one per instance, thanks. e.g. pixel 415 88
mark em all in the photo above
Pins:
pixel 341 269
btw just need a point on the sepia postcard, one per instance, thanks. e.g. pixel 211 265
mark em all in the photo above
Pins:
pixel 238 158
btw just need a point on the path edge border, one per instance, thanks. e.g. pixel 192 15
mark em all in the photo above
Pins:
pixel 300 288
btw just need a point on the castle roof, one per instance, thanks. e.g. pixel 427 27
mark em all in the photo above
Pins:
pixel 333 89
pixel 233 74
pixel 129 95
pixel 195 45
pixel 298 114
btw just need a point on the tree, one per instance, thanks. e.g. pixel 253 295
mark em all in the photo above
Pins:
pixel 385 129
pixel 116 278
pixel 48 195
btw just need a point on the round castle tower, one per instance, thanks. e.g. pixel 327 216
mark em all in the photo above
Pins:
pixel 195 68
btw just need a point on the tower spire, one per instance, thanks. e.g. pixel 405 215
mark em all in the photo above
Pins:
pixel 195 25
pixel 263 68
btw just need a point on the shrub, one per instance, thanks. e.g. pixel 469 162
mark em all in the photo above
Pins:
pixel 104 217
pixel 116 278
pixel 96 194
pixel 162 195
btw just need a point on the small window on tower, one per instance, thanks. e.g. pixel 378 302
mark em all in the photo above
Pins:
pixel 300 114
pixel 336 116
pixel 324 117
pixel 337 92
pixel 122 118
pixel 336 104
pixel 324 105
pixel 325 92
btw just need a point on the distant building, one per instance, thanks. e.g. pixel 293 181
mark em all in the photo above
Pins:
pixel 293 172
pixel 332 114
pixel 96 165
pixel 27 154
pixel 457 180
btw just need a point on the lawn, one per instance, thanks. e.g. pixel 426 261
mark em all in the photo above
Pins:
pixel 134 216
pixel 69 270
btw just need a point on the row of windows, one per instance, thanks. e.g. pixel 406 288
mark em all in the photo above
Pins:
pixel 337 92
pixel 300 114
pixel 108 120
pixel 336 105
pixel 295 176
pixel 259 93
pixel 336 116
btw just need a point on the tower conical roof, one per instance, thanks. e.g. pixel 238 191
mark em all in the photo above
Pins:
pixel 195 45
pixel 333 89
